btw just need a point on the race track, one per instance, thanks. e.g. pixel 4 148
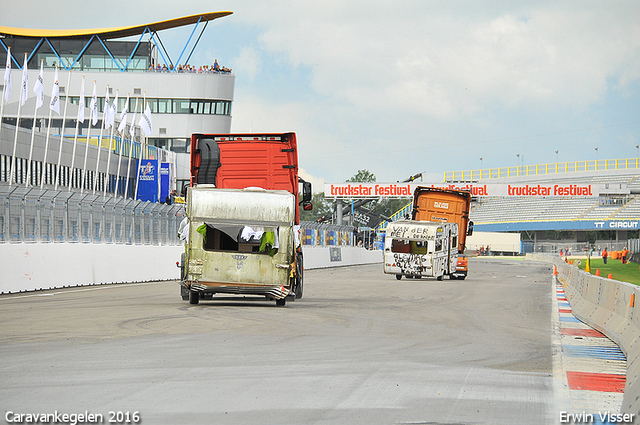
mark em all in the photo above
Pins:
pixel 359 348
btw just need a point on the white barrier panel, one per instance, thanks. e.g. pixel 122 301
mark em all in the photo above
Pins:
pixel 29 267
pixel 316 257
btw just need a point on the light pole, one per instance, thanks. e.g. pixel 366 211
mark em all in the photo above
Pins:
pixel 481 163
pixel 637 151
pixel 556 156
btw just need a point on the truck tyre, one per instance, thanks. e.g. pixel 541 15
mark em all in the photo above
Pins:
pixel 299 287
pixel 439 278
pixel 194 297
pixel 281 302
pixel 398 276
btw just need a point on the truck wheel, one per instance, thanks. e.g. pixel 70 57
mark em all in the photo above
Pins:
pixel 281 302
pixel 194 297
pixel 398 276
pixel 462 277
pixel 439 278
pixel 299 287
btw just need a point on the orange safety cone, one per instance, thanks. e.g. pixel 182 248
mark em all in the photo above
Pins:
pixel 597 272
pixel 610 276
pixel 555 271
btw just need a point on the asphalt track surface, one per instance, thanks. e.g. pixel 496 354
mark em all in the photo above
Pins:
pixel 359 348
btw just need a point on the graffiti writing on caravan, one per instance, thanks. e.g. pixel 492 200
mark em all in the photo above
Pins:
pixel 407 232
pixel 408 263
pixel 539 190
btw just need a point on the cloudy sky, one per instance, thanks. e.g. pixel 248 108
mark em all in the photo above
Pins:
pixel 410 86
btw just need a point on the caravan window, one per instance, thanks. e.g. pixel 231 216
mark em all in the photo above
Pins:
pixel 438 245
pixel 238 238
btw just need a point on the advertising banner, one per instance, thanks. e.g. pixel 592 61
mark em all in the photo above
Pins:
pixel 164 181
pixel 148 180
pixel 405 190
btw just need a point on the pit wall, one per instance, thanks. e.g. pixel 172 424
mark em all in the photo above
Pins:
pixel 30 267
pixel 611 307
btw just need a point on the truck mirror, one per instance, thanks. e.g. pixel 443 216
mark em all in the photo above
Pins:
pixel 470 228
pixel 306 192
pixel 307 206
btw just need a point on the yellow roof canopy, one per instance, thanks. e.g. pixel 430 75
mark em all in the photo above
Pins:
pixel 111 33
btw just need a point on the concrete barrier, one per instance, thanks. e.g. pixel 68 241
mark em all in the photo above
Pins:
pixel 31 267
pixel 316 257
pixel 611 307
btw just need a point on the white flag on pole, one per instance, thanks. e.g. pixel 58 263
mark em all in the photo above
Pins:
pixel 123 117
pixel 7 77
pixel 145 121
pixel 94 105
pixel 81 103
pixel 38 87
pixel 25 82
pixel 132 127
pixel 114 110
pixel 55 95
pixel 107 111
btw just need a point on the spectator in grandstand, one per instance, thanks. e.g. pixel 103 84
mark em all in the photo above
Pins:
pixel 605 254
pixel 561 252
pixel 216 67
pixel 624 253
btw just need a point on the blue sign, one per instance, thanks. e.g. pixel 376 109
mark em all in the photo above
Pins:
pixel 164 181
pixel 148 180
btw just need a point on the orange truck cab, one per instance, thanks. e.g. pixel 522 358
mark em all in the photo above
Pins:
pixel 446 206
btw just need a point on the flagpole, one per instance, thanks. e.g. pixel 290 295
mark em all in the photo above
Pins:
pixel 104 121
pixel 86 149
pixel 4 87
pixel 75 139
pixel 123 125
pixel 86 152
pixel 142 144
pixel 33 135
pixel 46 148
pixel 112 122
pixel 132 132
pixel 39 102
pixel 64 119
pixel 46 143
pixel 15 140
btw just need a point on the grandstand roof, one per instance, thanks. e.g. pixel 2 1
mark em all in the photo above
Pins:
pixel 111 33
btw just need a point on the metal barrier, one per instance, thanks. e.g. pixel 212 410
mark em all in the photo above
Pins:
pixel 542 169
pixel 31 215
pixel 323 234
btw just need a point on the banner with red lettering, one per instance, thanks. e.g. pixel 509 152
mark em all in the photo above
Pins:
pixel 405 190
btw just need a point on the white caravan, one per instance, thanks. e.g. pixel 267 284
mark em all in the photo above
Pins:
pixel 420 248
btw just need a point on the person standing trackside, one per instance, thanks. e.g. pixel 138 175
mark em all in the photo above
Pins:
pixel 625 252
pixel 605 254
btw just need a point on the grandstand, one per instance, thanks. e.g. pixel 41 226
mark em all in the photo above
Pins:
pixel 609 218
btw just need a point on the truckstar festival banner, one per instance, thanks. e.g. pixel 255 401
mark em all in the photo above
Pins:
pixel 403 190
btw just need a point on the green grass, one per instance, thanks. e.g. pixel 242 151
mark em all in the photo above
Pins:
pixel 629 272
